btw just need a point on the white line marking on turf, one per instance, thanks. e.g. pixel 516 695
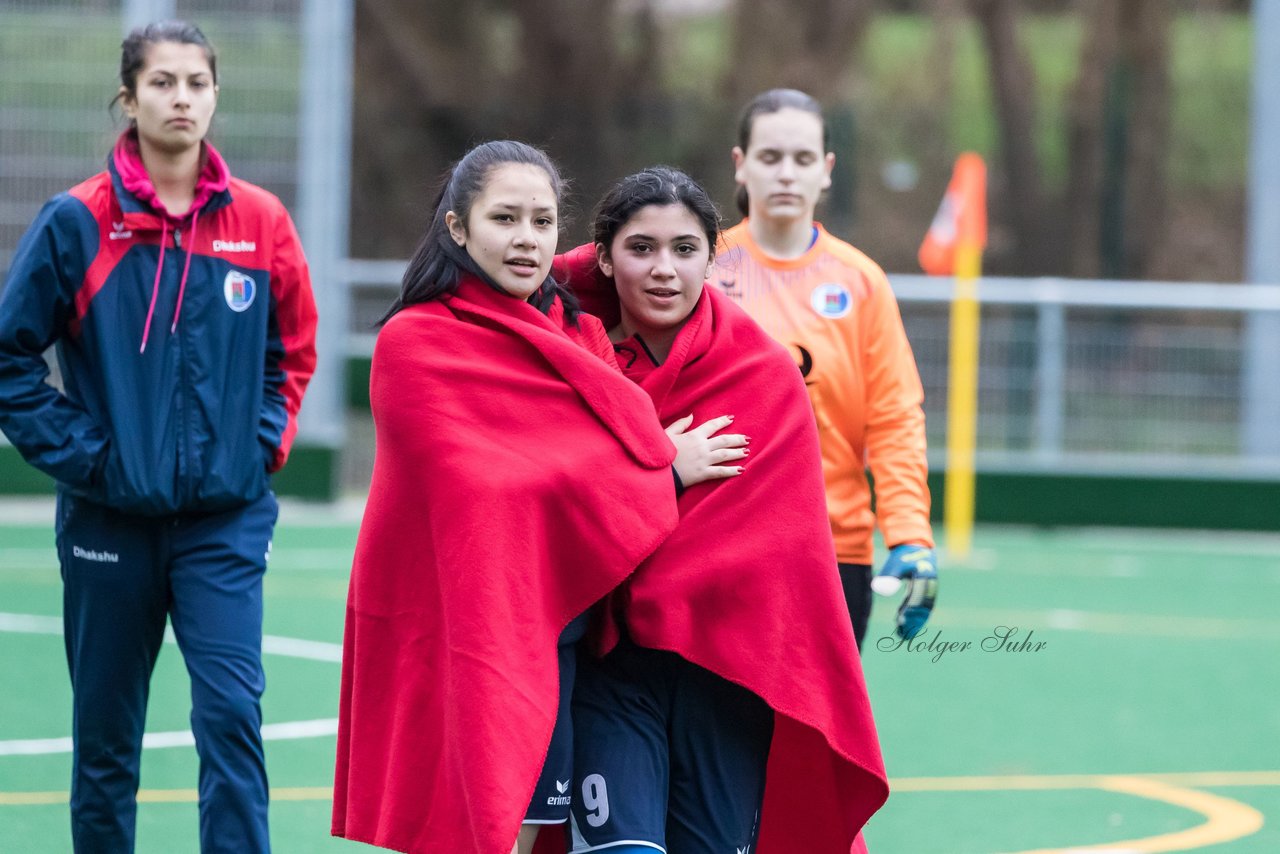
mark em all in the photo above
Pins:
pixel 155 740
pixel 271 644
pixel 1062 618
pixel 28 510
pixel 34 746
pixel 30 624
pixel 298 648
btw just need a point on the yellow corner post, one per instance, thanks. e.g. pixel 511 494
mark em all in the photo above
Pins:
pixel 962 403
pixel 953 246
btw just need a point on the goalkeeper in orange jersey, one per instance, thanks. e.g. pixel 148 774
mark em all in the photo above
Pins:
pixel 833 308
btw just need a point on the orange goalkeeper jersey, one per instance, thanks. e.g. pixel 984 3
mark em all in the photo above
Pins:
pixel 833 309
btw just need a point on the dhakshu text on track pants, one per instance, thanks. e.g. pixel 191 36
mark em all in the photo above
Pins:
pixel 123 577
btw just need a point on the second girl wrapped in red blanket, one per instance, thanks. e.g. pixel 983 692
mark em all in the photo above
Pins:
pixel 730 711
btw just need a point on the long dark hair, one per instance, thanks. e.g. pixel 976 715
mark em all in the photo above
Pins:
pixel 133 51
pixel 773 101
pixel 439 263
pixel 657 185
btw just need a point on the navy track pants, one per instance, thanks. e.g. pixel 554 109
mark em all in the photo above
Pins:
pixel 123 576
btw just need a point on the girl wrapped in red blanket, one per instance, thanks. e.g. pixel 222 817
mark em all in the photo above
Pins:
pixel 518 479
pixel 730 711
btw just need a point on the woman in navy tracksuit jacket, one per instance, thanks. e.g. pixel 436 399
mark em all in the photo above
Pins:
pixel 180 305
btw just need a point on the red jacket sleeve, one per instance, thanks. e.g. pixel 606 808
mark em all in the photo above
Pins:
pixel 293 328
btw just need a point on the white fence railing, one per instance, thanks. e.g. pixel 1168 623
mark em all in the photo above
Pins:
pixel 1075 376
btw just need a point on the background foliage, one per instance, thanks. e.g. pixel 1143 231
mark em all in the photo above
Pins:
pixel 1116 130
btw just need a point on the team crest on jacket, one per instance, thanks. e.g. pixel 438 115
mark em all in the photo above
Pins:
pixel 831 300
pixel 239 290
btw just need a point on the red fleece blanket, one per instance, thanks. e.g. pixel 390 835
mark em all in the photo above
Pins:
pixel 747 585
pixel 518 479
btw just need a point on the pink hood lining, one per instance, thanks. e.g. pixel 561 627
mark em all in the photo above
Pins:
pixel 214 176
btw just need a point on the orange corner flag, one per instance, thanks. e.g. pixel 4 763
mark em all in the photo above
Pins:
pixel 961 218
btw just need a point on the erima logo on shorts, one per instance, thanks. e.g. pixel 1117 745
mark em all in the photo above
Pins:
pixel 90 554
pixel 239 290
pixel 563 800
pixel 831 300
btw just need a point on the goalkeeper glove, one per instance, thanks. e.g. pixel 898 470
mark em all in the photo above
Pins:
pixel 919 566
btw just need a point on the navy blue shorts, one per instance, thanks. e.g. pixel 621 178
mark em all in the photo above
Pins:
pixel 667 755
pixel 550 804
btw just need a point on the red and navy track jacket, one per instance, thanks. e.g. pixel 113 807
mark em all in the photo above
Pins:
pixel 185 344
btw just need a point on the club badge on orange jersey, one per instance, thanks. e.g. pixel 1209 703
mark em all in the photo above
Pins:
pixel 831 300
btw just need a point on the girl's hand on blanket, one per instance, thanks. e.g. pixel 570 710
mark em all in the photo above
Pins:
pixel 701 455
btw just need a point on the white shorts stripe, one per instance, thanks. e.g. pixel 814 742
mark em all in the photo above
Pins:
pixel 641 842
pixel 578 845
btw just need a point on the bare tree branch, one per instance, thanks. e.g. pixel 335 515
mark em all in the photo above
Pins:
pixel 1012 81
